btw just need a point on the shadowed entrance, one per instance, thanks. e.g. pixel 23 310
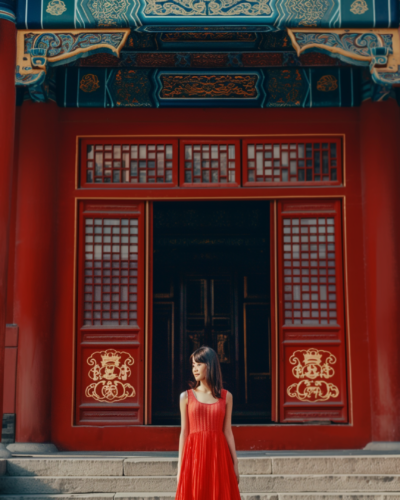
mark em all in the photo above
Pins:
pixel 212 287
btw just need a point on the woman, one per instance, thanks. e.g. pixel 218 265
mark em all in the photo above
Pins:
pixel 207 465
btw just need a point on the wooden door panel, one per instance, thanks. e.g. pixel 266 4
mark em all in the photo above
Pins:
pixel 110 314
pixel 164 355
pixel 312 356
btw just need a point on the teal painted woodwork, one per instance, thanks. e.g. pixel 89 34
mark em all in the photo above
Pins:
pixel 200 15
pixel 268 88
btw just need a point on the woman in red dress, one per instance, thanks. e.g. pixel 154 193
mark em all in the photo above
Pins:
pixel 208 465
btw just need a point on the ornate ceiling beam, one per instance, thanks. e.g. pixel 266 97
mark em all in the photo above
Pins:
pixel 205 16
pixel 378 49
pixel 38 51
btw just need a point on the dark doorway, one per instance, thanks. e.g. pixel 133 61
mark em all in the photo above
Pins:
pixel 212 287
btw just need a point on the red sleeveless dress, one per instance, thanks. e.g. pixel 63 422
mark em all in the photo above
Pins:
pixel 207 471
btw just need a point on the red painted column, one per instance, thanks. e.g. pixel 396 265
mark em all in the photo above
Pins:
pixel 7 129
pixel 35 269
pixel 380 163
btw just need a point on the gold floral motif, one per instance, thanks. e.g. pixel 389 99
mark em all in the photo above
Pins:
pixel 204 8
pixel 108 12
pixel 56 8
pixel 327 83
pixel 315 364
pixel 307 12
pixel 108 369
pixel 89 83
pixel 359 7
pixel 208 86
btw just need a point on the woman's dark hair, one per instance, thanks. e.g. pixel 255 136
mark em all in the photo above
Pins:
pixel 214 375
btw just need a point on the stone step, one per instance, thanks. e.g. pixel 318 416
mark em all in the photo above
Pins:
pixel 248 484
pixel 159 466
pixel 171 496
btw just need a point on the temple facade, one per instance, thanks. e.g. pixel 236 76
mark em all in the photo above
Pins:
pixel 186 173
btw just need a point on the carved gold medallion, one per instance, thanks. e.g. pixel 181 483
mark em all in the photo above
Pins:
pixel 110 369
pixel 315 364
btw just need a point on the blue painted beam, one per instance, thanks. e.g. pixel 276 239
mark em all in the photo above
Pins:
pixel 206 16
pixel 262 88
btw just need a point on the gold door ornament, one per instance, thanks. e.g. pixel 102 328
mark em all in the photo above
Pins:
pixel 223 348
pixel 109 368
pixel 313 364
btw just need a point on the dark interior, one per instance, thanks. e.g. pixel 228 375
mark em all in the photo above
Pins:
pixel 212 287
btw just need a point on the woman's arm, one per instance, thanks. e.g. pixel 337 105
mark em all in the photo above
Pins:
pixel 229 434
pixel 183 402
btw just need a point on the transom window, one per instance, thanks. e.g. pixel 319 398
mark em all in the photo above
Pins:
pixel 210 162
pixel 271 161
pixel 298 161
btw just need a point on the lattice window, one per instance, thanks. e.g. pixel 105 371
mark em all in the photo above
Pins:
pixel 295 161
pixel 137 163
pixel 309 271
pixel 213 163
pixel 111 271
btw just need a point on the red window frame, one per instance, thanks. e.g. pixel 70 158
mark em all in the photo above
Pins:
pixel 293 141
pixel 306 351
pixel 204 141
pixel 110 343
pixel 130 142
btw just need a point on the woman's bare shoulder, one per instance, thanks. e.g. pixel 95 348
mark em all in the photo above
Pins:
pixel 184 396
pixel 228 396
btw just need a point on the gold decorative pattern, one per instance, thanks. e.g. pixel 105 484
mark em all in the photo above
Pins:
pixel 327 83
pixel 359 7
pixel 89 83
pixel 132 88
pixel 316 364
pixel 307 13
pixel 223 347
pixel 109 368
pixel 208 86
pixel 284 87
pixel 208 37
pixel 108 13
pixel 60 45
pixel 56 7
pixel 196 339
pixel 214 8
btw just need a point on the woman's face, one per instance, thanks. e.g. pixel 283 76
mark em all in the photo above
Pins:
pixel 199 370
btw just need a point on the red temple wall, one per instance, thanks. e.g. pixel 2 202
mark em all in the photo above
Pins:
pixel 44 287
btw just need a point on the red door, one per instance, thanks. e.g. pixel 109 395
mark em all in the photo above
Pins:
pixel 110 319
pixel 311 313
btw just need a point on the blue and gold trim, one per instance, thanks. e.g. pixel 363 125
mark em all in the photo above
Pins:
pixel 267 88
pixel 199 15
pixel 378 49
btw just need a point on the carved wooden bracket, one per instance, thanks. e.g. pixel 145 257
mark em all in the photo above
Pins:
pixel 39 50
pixel 377 48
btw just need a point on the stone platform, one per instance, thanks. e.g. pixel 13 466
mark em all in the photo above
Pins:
pixel 327 475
